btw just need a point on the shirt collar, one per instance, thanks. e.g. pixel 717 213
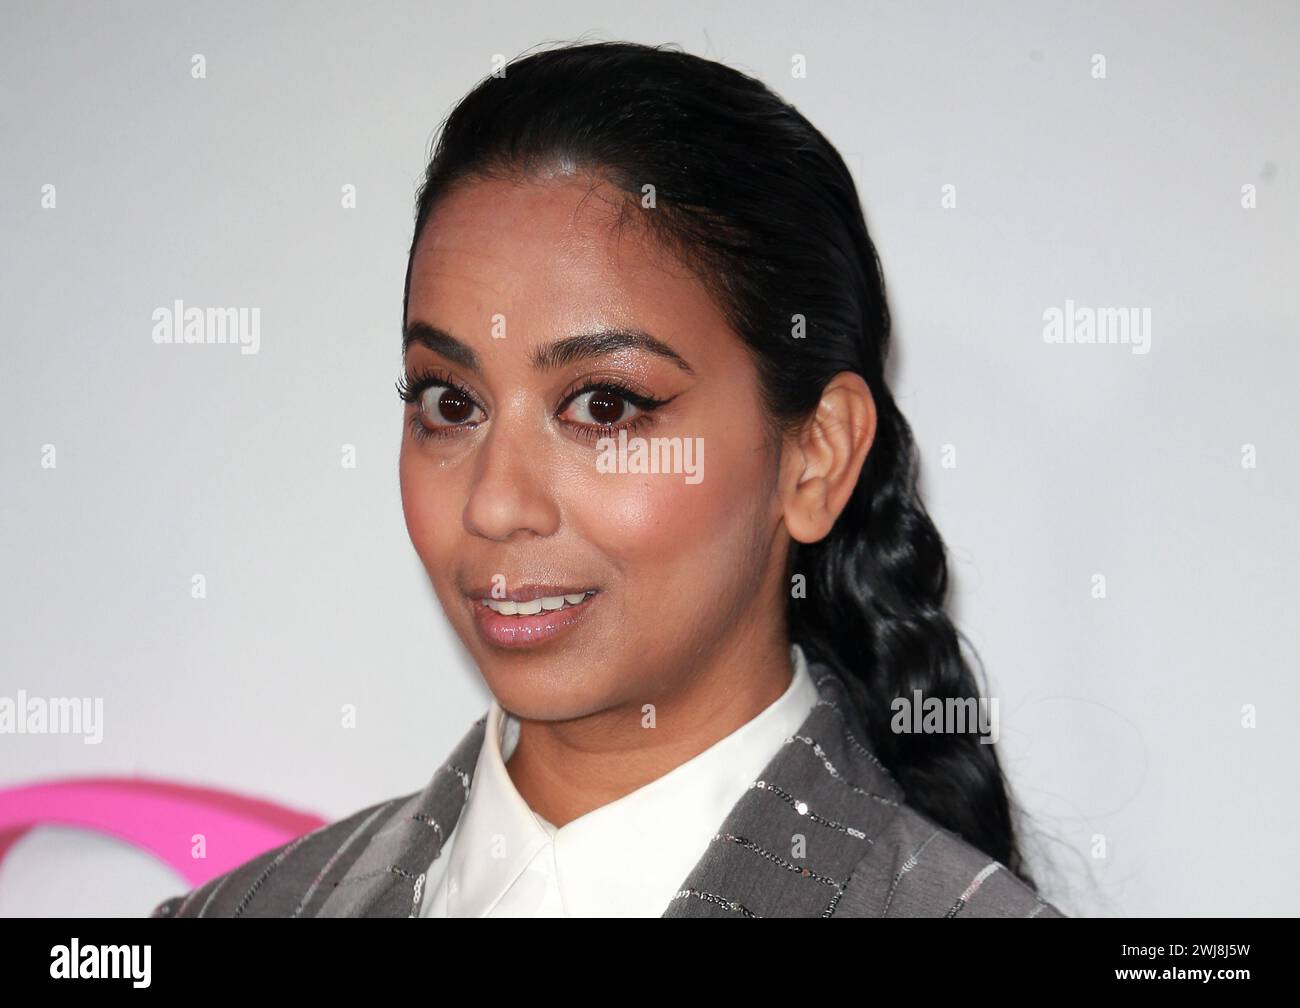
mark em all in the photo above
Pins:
pixel 628 857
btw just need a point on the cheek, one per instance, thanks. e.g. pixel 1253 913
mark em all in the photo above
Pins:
pixel 429 507
pixel 682 531
pixel 638 517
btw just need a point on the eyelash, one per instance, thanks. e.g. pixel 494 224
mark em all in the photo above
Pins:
pixel 411 386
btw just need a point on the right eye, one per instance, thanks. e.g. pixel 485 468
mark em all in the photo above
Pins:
pixel 443 407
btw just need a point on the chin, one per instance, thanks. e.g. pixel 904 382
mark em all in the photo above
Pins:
pixel 541 701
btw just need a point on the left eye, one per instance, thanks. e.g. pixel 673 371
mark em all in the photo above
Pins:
pixel 600 408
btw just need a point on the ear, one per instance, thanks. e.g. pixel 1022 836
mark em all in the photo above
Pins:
pixel 822 461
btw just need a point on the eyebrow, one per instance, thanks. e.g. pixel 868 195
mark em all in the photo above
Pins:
pixel 568 350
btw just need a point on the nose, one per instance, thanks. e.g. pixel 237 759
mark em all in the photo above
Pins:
pixel 512 489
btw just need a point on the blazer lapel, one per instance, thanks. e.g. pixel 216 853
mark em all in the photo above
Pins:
pixel 789 845
pixel 387 880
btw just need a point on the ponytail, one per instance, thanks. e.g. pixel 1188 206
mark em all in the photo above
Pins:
pixel 875 612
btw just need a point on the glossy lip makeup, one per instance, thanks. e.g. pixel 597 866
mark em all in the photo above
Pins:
pixel 530 614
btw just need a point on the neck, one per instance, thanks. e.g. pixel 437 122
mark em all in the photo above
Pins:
pixel 566 769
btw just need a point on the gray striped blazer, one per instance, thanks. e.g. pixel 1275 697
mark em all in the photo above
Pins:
pixel 867 853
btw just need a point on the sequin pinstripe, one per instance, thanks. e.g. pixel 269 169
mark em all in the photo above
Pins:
pixel 820 753
pixel 352 837
pixel 189 898
pixel 717 900
pixel 912 861
pixel 835 901
pixel 465 778
pixel 973 888
pixel 415 899
pixel 801 808
pixel 428 820
pixel 839 887
pixel 848 735
pixel 215 889
pixel 387 870
pixel 776 859
pixel 833 905
pixel 279 859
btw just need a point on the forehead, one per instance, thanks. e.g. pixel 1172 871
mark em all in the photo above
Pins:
pixel 552 255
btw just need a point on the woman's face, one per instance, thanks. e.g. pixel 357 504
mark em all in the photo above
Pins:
pixel 505 489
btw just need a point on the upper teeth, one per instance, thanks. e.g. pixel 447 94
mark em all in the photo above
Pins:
pixel 507 608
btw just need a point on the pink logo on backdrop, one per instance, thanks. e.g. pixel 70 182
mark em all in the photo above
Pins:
pixel 158 816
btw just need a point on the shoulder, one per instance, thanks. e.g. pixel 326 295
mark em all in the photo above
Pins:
pixel 915 868
pixel 912 867
pixel 288 881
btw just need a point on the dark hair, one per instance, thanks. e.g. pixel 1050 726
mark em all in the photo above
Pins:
pixel 751 194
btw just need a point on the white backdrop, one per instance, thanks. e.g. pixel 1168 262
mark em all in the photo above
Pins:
pixel 1170 473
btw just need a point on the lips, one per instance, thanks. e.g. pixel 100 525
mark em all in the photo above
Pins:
pixel 530 614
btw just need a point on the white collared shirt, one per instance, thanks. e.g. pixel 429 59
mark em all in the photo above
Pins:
pixel 625 859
